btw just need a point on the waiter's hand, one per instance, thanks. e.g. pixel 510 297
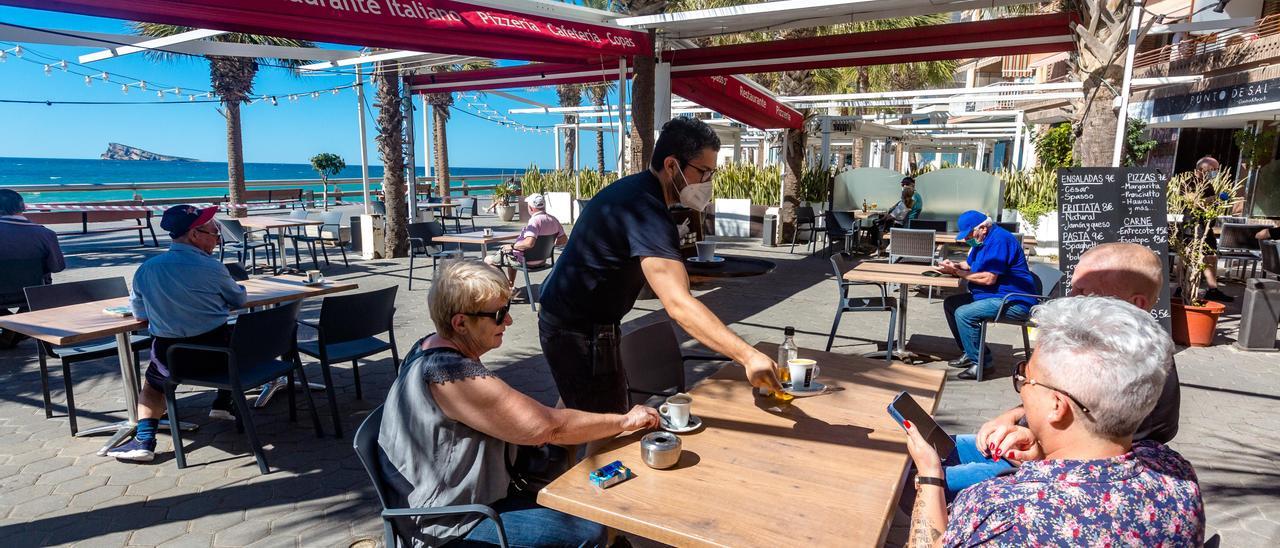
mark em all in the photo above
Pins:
pixel 762 372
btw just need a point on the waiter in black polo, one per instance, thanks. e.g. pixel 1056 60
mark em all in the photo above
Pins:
pixel 625 238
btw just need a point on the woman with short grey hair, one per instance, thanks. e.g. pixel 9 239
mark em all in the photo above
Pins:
pixel 449 424
pixel 1097 370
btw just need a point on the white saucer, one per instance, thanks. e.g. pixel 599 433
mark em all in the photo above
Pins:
pixel 816 389
pixel 694 424
pixel 314 284
pixel 713 260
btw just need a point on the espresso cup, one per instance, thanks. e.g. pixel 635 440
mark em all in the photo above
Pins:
pixel 706 251
pixel 488 232
pixel 314 276
pixel 677 410
pixel 804 372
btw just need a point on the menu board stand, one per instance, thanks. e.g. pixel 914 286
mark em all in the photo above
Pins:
pixel 1098 205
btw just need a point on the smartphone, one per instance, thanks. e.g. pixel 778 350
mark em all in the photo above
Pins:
pixel 932 273
pixel 904 407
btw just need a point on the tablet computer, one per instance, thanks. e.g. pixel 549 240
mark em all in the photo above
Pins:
pixel 904 407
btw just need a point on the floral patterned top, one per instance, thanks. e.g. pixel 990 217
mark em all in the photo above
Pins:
pixel 1147 497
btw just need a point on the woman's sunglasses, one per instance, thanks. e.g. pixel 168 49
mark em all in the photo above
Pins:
pixel 498 316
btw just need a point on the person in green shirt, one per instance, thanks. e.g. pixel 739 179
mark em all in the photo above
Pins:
pixel 900 214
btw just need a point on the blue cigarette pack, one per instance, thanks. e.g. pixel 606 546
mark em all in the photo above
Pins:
pixel 610 474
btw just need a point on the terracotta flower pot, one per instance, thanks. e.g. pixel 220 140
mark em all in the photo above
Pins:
pixel 1195 325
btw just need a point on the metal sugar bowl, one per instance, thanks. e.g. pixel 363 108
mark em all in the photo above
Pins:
pixel 660 450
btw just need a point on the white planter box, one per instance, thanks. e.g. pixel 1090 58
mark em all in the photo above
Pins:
pixel 733 218
pixel 1046 233
pixel 560 206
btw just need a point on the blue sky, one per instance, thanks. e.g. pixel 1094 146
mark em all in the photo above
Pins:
pixel 289 133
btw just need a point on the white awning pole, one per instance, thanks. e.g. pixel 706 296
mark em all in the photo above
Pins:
pixel 364 141
pixel 1122 117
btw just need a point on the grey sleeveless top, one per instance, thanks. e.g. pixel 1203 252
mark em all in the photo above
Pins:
pixel 430 459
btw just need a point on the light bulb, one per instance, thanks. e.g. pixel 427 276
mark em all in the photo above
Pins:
pixel 88 81
pixel 3 56
pixel 124 88
pixel 315 95
pixel 142 86
pixel 62 65
pixel 208 95
pixel 274 103
pixel 105 76
pixel 160 94
pixel 191 97
pixel 17 51
pixel 48 71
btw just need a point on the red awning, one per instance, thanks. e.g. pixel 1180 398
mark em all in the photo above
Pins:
pixel 737 98
pixel 435 26
pixel 534 74
pixel 1010 36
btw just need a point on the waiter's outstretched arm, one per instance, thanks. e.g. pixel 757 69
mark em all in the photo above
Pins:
pixel 670 282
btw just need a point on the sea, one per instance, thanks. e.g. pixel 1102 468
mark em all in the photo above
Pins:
pixel 18 172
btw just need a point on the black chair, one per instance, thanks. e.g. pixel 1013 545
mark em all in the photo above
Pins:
pixel 842 263
pixel 936 225
pixel 544 249
pixel 16 275
pixel 1238 243
pixel 43 297
pixel 1047 280
pixel 420 243
pixel 237 271
pixel 241 241
pixel 653 362
pixel 1270 257
pixel 842 226
pixel 254 355
pixel 366 447
pixel 328 233
pixel 465 211
pixel 1011 227
pixel 347 331
pixel 806 221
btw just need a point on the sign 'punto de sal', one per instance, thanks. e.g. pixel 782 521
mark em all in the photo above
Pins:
pixel 436 26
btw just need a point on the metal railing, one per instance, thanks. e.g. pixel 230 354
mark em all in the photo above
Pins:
pixel 462 183
pixel 1209 43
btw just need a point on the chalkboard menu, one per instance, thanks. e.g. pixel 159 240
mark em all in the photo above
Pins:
pixel 1098 205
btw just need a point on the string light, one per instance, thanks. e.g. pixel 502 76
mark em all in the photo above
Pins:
pixel 48 71
pixel 124 88
pixel 88 81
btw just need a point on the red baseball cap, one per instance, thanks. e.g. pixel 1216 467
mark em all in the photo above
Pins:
pixel 179 219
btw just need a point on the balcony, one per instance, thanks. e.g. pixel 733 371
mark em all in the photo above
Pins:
pixel 1213 52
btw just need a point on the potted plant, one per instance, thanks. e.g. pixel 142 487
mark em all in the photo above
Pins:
pixel 502 196
pixel 327 164
pixel 1200 199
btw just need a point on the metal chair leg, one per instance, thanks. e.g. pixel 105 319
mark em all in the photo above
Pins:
pixel 893 323
pixel 835 324
pixel 982 350
pixel 528 289
pixel 411 255
pixel 355 373
pixel 44 382
pixel 247 418
pixel 71 399
pixel 171 404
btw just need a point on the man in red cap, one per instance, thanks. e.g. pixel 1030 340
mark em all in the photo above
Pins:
pixel 185 295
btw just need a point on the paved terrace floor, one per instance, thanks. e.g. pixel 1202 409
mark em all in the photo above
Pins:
pixel 54 489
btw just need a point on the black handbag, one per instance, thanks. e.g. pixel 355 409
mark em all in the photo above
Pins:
pixel 536 466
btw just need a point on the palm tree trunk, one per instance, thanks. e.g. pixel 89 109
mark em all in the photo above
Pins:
pixel 600 151
pixel 235 158
pixel 1098 63
pixel 440 145
pixel 794 83
pixel 1096 129
pixel 570 145
pixel 391 149
pixel 642 112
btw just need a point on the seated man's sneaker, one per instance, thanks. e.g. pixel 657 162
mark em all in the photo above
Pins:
pixel 135 450
pixel 223 409
pixel 971 373
pixel 961 363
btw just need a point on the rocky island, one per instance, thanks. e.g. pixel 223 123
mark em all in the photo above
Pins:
pixel 117 151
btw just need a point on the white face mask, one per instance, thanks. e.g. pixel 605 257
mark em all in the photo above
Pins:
pixel 695 197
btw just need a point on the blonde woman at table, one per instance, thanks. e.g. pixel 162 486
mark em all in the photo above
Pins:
pixel 184 294
pixel 1097 371
pixel 449 423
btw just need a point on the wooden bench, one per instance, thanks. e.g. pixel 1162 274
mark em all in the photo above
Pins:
pixel 291 197
pixel 70 215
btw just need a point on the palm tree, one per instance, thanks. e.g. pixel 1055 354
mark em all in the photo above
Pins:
pixel 1097 63
pixel 232 80
pixel 391 148
pixel 440 104
pixel 599 95
pixel 570 95
pixel 642 80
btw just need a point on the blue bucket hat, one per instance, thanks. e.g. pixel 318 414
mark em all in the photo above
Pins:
pixel 969 220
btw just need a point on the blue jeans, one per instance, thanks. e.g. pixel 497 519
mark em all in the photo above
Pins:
pixel 528 524
pixel 965 316
pixel 966 466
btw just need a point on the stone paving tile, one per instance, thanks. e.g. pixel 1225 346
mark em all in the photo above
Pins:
pixel 318 493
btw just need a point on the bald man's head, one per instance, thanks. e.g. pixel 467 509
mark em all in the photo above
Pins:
pixel 1126 271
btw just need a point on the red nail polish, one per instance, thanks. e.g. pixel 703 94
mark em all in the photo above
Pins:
pixel 906 423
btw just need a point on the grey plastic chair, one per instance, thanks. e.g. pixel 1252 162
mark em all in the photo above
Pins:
pixel 348 330
pixel 43 297
pixel 366 447
pixel 544 249
pixel 254 355
pixel 842 263
pixel 420 243
pixel 328 233
pixel 910 245
pixel 241 241
pixel 1047 279
pixel 653 362
pixel 1238 244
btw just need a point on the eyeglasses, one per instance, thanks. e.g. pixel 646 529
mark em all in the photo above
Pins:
pixel 1020 379
pixel 704 174
pixel 209 232
pixel 498 316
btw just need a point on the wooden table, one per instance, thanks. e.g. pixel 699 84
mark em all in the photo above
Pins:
pixel 905 275
pixel 279 224
pixel 822 471
pixel 949 238
pixel 476 237
pixel 83 322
